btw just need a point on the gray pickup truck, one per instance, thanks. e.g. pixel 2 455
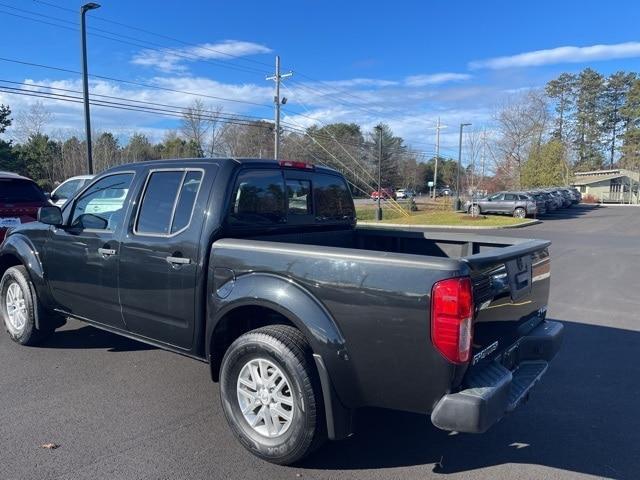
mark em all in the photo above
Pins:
pixel 257 268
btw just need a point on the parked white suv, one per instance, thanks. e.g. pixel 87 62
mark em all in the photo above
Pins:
pixel 67 189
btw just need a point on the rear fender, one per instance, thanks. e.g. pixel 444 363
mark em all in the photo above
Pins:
pixel 305 312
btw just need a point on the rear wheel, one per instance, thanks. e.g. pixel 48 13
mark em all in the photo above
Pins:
pixel 271 395
pixel 19 306
pixel 520 213
pixel 474 210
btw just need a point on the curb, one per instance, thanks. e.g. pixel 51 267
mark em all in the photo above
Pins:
pixel 448 227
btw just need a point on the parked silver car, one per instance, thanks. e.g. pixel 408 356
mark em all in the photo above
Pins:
pixel 518 204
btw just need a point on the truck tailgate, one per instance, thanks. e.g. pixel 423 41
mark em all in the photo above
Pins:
pixel 511 290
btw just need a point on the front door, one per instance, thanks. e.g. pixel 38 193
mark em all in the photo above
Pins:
pixel 82 257
pixel 160 254
pixel 494 204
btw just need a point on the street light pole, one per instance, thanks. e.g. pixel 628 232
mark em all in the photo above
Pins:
pixel 379 209
pixel 85 82
pixel 456 205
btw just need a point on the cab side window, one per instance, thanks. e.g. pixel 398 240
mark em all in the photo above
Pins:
pixel 101 206
pixel 167 203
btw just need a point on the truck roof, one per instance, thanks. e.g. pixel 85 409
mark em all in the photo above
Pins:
pixel 14 176
pixel 182 162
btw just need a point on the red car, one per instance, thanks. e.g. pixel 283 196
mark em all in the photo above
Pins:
pixel 385 193
pixel 20 199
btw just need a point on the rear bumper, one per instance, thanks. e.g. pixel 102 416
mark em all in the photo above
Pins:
pixel 493 390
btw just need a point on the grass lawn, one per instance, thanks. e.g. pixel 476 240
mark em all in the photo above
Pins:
pixel 436 217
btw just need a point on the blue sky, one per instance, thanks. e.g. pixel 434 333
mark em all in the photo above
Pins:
pixel 402 62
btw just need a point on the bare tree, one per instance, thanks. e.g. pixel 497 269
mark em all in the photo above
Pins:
pixel 32 121
pixel 216 132
pixel 523 122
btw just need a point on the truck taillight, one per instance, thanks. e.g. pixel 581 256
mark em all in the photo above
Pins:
pixel 452 318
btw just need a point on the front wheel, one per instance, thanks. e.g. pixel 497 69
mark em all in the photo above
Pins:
pixel 520 213
pixel 271 395
pixel 18 306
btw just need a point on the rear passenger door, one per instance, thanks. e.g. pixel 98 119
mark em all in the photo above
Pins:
pixel 159 255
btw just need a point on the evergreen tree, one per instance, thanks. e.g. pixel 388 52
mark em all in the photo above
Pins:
pixel 588 129
pixel 545 166
pixel 393 149
pixel 562 90
pixel 630 113
pixel 615 93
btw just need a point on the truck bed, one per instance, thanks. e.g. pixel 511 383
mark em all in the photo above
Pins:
pixel 376 284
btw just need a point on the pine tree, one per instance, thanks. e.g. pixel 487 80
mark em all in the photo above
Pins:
pixel 615 93
pixel 630 113
pixel 562 90
pixel 588 130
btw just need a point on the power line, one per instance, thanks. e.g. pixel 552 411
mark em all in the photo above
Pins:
pixel 331 94
pixel 164 49
pixel 130 82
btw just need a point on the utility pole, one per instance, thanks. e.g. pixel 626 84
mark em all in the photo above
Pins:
pixel 435 170
pixel 277 102
pixel 457 205
pixel 85 82
pixel 379 209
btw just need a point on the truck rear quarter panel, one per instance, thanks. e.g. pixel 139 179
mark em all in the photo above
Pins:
pixel 381 354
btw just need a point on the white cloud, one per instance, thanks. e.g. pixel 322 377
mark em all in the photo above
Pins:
pixel 435 79
pixel 557 55
pixel 174 59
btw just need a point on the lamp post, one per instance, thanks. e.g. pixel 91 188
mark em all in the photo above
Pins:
pixel 85 81
pixel 456 204
pixel 379 209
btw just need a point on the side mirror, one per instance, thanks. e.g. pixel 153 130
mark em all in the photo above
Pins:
pixel 47 195
pixel 50 215
pixel 88 220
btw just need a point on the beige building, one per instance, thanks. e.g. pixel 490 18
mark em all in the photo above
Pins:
pixel 609 186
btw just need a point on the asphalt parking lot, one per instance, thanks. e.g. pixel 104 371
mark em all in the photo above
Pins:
pixel 120 409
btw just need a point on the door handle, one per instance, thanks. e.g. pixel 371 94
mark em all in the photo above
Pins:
pixel 106 252
pixel 175 261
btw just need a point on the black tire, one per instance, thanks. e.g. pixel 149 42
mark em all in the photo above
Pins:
pixel 288 350
pixel 28 334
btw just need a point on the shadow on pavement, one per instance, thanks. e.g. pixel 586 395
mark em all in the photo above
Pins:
pixel 568 213
pixel 584 417
pixel 90 337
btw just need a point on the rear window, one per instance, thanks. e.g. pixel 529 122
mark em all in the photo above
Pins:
pixel 332 198
pixel 299 197
pixel 20 191
pixel 258 198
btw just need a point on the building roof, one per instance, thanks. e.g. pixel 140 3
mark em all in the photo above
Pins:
pixel 589 179
pixel 595 176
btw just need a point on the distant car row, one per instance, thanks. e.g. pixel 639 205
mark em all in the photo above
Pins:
pixel 390 193
pixel 523 204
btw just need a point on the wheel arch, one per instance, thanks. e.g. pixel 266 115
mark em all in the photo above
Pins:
pixel 257 300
